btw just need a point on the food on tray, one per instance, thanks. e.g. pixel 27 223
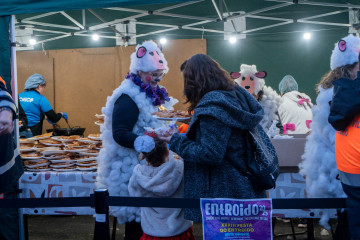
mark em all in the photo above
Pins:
pixel 41 167
pixel 40 145
pixel 72 137
pixel 44 135
pixel 61 164
pixel 92 151
pixel 49 149
pixel 89 162
pixel 76 144
pixel 26 145
pixel 31 163
pixel 49 141
pixel 94 135
pixel 172 114
pixel 31 154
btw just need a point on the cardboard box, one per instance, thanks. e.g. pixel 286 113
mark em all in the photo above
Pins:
pixel 290 150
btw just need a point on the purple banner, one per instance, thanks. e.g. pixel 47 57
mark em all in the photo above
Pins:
pixel 236 218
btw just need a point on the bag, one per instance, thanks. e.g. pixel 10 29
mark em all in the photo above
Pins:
pixel 262 160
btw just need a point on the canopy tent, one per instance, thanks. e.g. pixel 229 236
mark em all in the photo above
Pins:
pixel 273 31
pixel 266 20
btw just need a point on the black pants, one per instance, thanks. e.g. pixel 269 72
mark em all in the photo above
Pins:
pixel 353 207
pixel 133 231
pixel 9 218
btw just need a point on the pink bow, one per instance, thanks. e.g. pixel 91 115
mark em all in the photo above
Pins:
pixel 307 122
pixel 289 126
pixel 302 100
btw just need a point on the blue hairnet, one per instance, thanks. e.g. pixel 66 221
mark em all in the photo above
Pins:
pixel 34 81
pixel 288 84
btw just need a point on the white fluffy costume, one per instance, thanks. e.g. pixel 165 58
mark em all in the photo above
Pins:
pixel 163 181
pixel 116 163
pixel 319 163
pixel 253 81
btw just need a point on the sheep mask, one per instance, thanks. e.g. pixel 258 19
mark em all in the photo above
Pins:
pixel 346 51
pixel 148 58
pixel 249 78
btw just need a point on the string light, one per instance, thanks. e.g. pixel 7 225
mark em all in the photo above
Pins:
pixel 32 41
pixel 163 40
pixel 232 40
pixel 307 36
pixel 95 37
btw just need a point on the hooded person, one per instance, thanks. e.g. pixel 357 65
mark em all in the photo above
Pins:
pixel 319 161
pixel 127 112
pixel 36 106
pixel 214 147
pixel 253 81
pixel 295 109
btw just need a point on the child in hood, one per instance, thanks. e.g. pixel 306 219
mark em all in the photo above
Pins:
pixel 162 176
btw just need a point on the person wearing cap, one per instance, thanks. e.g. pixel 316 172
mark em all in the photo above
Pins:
pixel 345 117
pixel 295 109
pixel 11 167
pixel 36 106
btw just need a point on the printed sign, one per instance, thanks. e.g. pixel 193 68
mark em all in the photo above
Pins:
pixel 236 219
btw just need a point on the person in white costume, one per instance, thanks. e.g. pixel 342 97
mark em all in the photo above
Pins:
pixel 295 109
pixel 127 112
pixel 319 162
pixel 253 81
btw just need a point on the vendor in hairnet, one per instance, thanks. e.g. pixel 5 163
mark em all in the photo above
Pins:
pixel 295 110
pixel 36 106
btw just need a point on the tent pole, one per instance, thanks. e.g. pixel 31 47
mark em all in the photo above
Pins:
pixel 15 93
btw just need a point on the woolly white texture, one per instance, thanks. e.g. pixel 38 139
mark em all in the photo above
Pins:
pixel 147 63
pixel 163 181
pixel 270 102
pixel 319 163
pixel 291 111
pixel 246 70
pixel 116 163
pixel 144 144
pixel 349 56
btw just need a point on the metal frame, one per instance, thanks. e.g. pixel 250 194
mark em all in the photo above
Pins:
pixel 84 31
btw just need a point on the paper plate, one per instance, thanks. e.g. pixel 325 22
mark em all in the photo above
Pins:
pixel 95 138
pixel 64 170
pixel 29 158
pixel 38 138
pixel 87 169
pixel 86 164
pixel 52 144
pixel 100 116
pixel 53 158
pixel 85 140
pixel 86 159
pixel 62 166
pixel 49 152
pixel 37 165
pixel 98 123
pixel 28 150
pixel 91 154
pixel 62 140
pixel 38 170
pixel 26 140
pixel 76 150
pixel 65 161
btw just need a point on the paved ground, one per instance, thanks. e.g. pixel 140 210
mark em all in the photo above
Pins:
pixel 82 227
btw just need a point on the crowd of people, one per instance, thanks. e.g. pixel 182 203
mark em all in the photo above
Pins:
pixel 134 163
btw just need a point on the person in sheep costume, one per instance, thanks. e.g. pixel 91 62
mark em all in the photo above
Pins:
pixel 127 112
pixel 319 163
pixel 253 81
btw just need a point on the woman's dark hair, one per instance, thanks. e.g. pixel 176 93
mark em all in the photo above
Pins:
pixel 158 155
pixel 202 74
pixel 182 67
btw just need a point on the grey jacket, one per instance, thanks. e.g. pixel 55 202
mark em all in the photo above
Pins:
pixel 214 141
